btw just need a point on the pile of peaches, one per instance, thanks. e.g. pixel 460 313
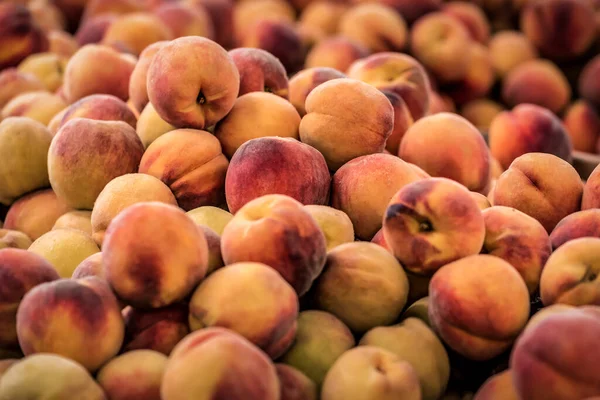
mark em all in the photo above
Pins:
pixel 299 200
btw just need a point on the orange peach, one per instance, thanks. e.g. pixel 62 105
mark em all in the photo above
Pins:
pixel 20 35
pixel 542 186
pixel 255 115
pixel 221 14
pixel 116 7
pixel 150 126
pixel 13 83
pixel 185 20
pixel 588 86
pixel 38 106
pixel 92 30
pixel 499 386
pixel 481 113
pixel 273 163
pixel 527 129
pixel 481 200
pixel 410 9
pixel 100 107
pixel 305 81
pixel 432 222
pixel 582 122
pixel 14 239
pixel 215 87
pixel 134 32
pixel 440 103
pixel 509 49
pixel 402 121
pixel 215 257
pixel 212 217
pixel 580 224
pixel 591 191
pixel 472 17
pixel 323 16
pixel 83 310
pixel 336 52
pixel 46 15
pixel 249 13
pixel 62 43
pixel 138 93
pixel 294 385
pixel 260 71
pixel 91 266
pixel 335 224
pixel 479 78
pixel 49 68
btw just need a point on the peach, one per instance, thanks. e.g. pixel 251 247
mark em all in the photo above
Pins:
pixel 255 115
pixel 335 224
pixel 38 106
pixel 456 301
pixel 80 166
pixel 150 126
pixel 255 233
pixel 248 13
pixel 116 7
pixel 580 224
pixel 419 310
pixel 582 123
pixel 481 200
pixel 438 40
pixel 305 81
pixel 591 191
pixel 479 78
pixel 559 28
pixel 46 15
pixel 410 9
pixel 100 107
pixel 472 17
pixel 588 86
pixel 363 188
pixel 546 366
pixel 35 213
pixel 399 74
pixel 215 257
pixel 6 364
pixel 542 186
pixel 135 31
pixel 481 113
pixel 21 271
pixel 221 14
pixel 13 83
pixel 499 386
pixel 432 222
pixel 414 342
pixel 24 147
pixel 323 15
pixel 212 217
pixel 257 292
pixel 92 30
pixel 14 239
pixel 260 71
pixel 138 92
pixel 336 52
pixel 402 121
pixel 84 310
pixel 91 266
pixel 509 49
pixel 439 103
pixel 198 179
pixel 527 129
pixel 62 43
pixel 321 339
pixel 42 375
pixel 49 68
pixel 537 82
pixel 273 163
pixel 294 385
pixel 376 26
pixel 157 329
pixel 185 20
pixel 21 36
pixel 215 87
pixel 337 125
pixel 370 372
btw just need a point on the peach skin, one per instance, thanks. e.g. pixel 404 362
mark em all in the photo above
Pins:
pixel 509 49
pixel 260 71
pixel 138 90
pixel 38 106
pixel 15 240
pixel 213 217
pixel 13 83
pixel 499 386
pixel 20 35
pixel 133 32
pixel 472 17
pixel 294 385
pixel 481 113
pixel 323 16
pixel 337 52
pixel 582 123
pixel 591 191
pixel 580 224
pixel 151 126
pixel 588 85
pixel 185 20
pixel 48 67
pixel 335 224
pixel 305 81
pixel 99 107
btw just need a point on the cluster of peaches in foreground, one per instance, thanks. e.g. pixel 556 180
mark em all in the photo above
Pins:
pixel 299 200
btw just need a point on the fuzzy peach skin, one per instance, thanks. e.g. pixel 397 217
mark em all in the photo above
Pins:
pixel 100 107
pixel 20 34
pixel 80 166
pixel 35 213
pixel 213 217
pixel 439 42
pixel 80 220
pixel 92 30
pixel 588 86
pixel 582 123
pixel 413 341
pixel 48 67
pixel 321 339
pixel 538 82
pixel 481 200
pixel 260 71
pixel 542 186
pixel 527 129
pixel 236 369
pixel 571 274
pixel 116 7
pixel 187 96
pixel 402 121
pixel 185 20
pixel 21 271
pixel 13 83
pixel 499 386
pixel 439 103
pixel 472 17
pixel 39 106
pixel 251 299
pixel 294 385
pixel 368 372
pixel 335 224
pixel 338 125
pixel 376 26
pixel 248 13
pixel 277 231
pixel 580 224
pixel 51 377
pixel 14 239
pixel 254 115
pixel 375 286
pixel 363 188
pixel 98 69
pixel 150 125
pixel 518 239
pixel 591 191
pixel 221 14
pixel 215 258
pixel 305 81
pixel 138 93
pixel 411 10
pixel 478 324
pixel 84 310
pixel 336 52
pixel 191 164
pixel 323 16
pixel 479 79
pixel 561 29
pixel 273 164
pixel 509 49
pixel 432 222
pixel 173 266
pixel 157 329
pixel 62 43
pixel 546 366
pixel 481 113
pixel 91 266
pixel 427 143
pixel 135 375
pixel 399 74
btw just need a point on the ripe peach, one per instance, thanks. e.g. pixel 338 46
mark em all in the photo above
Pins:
pixel 481 200
pixel 336 52
pixel 591 191
pixel 212 217
pixel 49 68
pixel 411 10
pixel 38 106
pixel 588 86
pixel 46 15
pixel 62 43
pixel 479 78
pixel 294 385
pixel 323 15
pixel 432 222
pixel 248 13
pixel 582 123
pixel 530 187
pixel 91 266
pixel 472 17
pixel 215 257
pixel 20 35
pixel 335 224
pixel 509 49
pixel 481 113
pixel 305 81
pixel 100 107
pixel 260 71
pixel 14 239
pixel 185 20
pixel 499 386
pixel 13 83
pixel 92 30
pixel 138 93
pixel 457 301
pixel 580 224
pixel 402 121
pixel 221 14
pixel 151 126
pixel 84 310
